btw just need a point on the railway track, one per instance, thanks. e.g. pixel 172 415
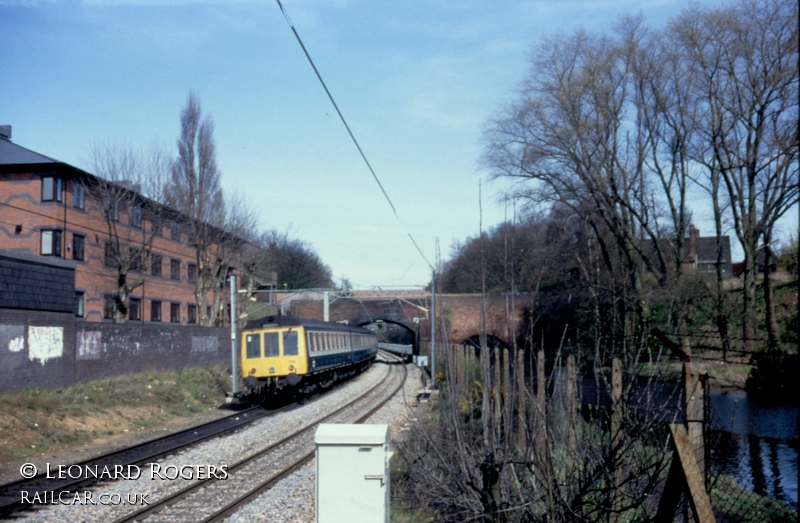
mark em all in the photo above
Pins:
pixel 212 500
pixel 148 451
pixel 263 468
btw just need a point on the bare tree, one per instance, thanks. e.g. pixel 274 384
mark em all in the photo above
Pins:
pixel 129 189
pixel 238 229
pixel 745 60
pixel 568 140
pixel 194 190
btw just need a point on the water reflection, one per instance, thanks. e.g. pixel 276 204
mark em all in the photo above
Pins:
pixel 757 444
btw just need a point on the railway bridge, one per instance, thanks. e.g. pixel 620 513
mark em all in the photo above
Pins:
pixel 507 316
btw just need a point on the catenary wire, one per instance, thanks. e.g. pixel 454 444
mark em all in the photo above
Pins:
pixel 352 136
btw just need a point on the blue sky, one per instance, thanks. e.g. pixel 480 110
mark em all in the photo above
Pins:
pixel 416 80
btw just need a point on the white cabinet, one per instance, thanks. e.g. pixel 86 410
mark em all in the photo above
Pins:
pixel 352 473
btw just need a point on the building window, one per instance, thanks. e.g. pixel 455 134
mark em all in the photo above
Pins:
pixel 109 260
pixel 155 265
pixel 51 189
pixel 136 216
pixel 79 304
pixel 109 301
pixel 78 195
pixel 135 309
pixel 191 313
pixel 157 223
pixel 51 242
pixel 175 269
pixel 191 272
pixel 77 246
pixel 111 208
pixel 175 312
pixel 136 259
pixel 155 310
pixel 175 231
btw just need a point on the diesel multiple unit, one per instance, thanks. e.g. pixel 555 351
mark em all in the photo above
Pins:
pixel 282 351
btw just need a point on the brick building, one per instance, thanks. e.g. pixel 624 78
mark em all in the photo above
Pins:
pixel 49 210
pixel 702 253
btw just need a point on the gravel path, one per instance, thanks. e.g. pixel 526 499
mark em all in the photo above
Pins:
pixel 293 497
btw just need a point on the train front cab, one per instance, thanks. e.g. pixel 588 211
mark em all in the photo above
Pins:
pixel 278 353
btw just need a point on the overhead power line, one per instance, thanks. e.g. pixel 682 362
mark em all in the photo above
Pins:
pixel 352 136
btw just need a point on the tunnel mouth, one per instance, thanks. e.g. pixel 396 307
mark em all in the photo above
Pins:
pixel 390 331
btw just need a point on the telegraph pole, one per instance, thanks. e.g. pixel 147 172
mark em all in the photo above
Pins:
pixel 433 329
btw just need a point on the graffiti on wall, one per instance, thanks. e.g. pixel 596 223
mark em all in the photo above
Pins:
pixel 12 337
pixel 45 343
pixel 90 345
pixel 205 344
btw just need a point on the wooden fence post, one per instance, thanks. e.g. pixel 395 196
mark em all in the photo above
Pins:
pixel 684 475
pixel 522 439
pixel 541 441
pixel 695 415
pixel 572 417
pixel 616 439
pixel 507 396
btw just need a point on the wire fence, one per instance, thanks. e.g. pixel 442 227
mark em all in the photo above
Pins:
pixel 610 457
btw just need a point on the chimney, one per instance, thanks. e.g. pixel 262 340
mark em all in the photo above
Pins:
pixel 5 132
pixel 694 233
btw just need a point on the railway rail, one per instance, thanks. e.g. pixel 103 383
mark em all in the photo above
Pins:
pixel 212 500
pixel 262 468
pixel 148 451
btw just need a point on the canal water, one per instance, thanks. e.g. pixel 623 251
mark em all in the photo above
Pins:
pixel 757 444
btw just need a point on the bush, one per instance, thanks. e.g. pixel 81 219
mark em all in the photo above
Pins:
pixel 773 376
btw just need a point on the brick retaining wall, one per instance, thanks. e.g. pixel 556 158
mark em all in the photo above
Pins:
pixel 46 349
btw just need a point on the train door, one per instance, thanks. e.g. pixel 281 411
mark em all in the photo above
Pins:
pixel 292 360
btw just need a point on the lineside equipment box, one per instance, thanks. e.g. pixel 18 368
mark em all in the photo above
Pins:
pixel 352 473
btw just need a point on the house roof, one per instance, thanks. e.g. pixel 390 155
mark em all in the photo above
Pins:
pixel 706 248
pixel 13 154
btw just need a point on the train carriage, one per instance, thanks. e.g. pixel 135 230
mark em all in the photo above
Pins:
pixel 283 351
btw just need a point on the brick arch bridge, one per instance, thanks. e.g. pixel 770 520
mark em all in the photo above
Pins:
pixel 462 313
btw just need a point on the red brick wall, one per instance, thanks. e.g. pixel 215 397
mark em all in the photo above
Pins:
pixel 462 314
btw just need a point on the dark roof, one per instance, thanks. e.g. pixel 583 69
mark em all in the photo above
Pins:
pixel 291 321
pixel 34 283
pixel 13 154
pixel 706 248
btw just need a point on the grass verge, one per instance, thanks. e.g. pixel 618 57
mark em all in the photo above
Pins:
pixel 39 421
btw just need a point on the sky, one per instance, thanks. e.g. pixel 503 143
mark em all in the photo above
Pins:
pixel 417 82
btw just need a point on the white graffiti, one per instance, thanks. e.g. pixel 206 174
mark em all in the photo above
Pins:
pixel 16 344
pixel 45 343
pixel 90 345
pixel 205 344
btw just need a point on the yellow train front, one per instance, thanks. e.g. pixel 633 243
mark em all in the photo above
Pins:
pixel 282 351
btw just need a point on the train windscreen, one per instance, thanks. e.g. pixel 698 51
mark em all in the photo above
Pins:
pixel 271 344
pixel 254 345
pixel 290 343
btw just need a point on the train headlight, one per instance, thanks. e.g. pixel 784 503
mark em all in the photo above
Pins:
pixel 253 370
pixel 272 370
pixel 291 367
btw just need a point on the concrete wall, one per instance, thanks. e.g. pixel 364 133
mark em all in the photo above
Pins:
pixel 46 349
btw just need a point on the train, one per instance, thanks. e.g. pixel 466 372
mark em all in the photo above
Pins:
pixel 280 353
